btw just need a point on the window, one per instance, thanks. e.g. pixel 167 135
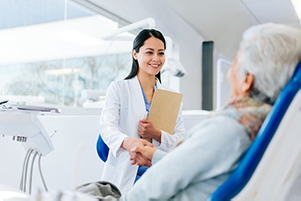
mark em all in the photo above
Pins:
pixel 52 49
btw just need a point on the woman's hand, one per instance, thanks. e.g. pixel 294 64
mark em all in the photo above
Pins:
pixel 146 152
pixel 146 129
pixel 131 143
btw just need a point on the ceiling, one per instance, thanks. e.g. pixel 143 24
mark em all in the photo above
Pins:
pixel 223 21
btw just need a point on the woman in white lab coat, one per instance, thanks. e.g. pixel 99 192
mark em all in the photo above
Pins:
pixel 123 123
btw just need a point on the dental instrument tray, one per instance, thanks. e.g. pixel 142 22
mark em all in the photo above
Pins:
pixel 34 108
pixel 22 122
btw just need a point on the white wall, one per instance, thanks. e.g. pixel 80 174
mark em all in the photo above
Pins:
pixel 172 25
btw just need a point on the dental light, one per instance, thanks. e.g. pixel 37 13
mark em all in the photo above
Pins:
pixel 173 65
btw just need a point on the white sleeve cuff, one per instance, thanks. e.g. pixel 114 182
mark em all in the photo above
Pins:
pixel 116 149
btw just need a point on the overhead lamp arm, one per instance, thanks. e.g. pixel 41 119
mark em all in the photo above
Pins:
pixel 148 21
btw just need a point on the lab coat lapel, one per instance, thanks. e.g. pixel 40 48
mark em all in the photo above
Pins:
pixel 137 98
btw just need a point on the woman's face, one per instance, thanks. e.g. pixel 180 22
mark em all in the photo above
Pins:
pixel 151 56
pixel 233 78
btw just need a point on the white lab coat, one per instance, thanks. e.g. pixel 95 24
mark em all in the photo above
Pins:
pixel 124 107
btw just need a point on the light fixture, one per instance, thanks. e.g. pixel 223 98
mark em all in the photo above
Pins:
pixel 172 64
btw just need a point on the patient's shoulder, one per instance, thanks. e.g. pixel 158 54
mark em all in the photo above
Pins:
pixel 220 126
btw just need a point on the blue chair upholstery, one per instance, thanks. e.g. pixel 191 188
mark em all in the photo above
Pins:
pixel 240 177
pixel 102 149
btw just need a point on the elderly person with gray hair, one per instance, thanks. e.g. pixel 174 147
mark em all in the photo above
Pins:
pixel 264 63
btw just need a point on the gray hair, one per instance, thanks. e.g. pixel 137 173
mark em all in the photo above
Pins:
pixel 270 52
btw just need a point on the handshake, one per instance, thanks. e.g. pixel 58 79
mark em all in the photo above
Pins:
pixel 144 155
pixel 141 151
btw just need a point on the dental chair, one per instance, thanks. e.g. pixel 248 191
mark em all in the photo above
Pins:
pixel 271 168
pixel 103 151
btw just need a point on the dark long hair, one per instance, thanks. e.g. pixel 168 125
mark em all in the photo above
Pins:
pixel 138 42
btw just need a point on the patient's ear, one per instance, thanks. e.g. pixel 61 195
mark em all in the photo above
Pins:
pixel 247 82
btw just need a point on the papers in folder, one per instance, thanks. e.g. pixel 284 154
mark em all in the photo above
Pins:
pixel 164 109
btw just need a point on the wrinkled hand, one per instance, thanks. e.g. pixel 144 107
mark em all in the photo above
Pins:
pixel 130 143
pixel 146 129
pixel 147 152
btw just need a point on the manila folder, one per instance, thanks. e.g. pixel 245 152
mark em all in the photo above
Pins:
pixel 164 109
